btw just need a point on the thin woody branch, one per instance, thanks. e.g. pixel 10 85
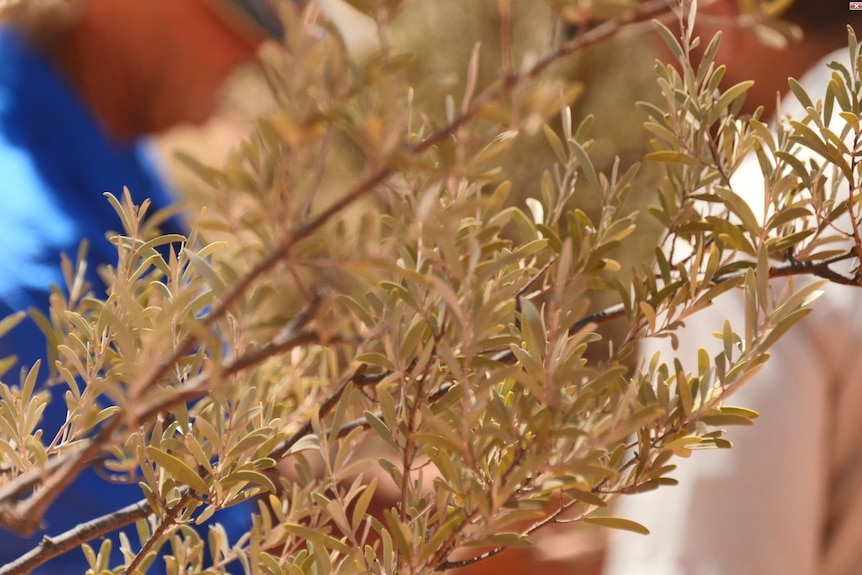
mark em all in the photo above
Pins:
pixel 820 269
pixel 51 547
pixel 793 268
pixel 358 377
pixel 167 522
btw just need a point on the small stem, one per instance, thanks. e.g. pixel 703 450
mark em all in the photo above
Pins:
pixel 167 522
pixel 51 547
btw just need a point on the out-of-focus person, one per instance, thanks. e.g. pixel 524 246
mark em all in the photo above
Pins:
pixel 787 498
pixel 82 83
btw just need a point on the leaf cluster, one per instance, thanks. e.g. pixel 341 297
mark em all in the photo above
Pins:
pixel 413 335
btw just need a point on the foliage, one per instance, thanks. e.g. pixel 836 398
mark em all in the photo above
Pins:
pixel 417 331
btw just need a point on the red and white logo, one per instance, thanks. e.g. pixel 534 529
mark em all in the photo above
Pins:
pixel 856 5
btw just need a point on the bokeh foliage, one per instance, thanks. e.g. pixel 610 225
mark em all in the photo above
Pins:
pixel 418 322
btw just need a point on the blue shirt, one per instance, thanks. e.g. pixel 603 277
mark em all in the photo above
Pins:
pixel 55 165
